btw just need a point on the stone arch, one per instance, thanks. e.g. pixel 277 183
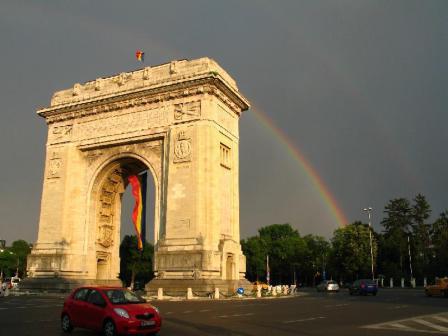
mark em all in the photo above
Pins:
pixel 180 121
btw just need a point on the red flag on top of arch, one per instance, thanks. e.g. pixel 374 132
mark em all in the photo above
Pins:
pixel 140 55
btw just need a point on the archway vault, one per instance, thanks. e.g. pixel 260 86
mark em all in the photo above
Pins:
pixel 177 120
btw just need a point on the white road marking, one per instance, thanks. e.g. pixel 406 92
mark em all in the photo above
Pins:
pixel 398 307
pixel 431 325
pixel 440 318
pixel 167 313
pixel 187 311
pixel 420 324
pixel 305 319
pixel 204 310
pixel 235 315
pixel 337 305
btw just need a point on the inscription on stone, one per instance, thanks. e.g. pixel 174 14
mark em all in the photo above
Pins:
pixel 123 123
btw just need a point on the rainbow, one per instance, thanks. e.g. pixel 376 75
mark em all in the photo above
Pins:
pixel 310 171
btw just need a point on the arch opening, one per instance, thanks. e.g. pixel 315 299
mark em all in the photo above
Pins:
pixel 113 204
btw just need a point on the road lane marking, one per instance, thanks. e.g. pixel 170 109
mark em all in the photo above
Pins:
pixel 398 307
pixel 400 326
pixel 187 311
pixel 305 319
pixel 204 310
pixel 235 315
pixel 430 325
pixel 422 323
pixel 440 318
pixel 337 305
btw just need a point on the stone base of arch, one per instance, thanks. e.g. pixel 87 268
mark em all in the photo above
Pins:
pixel 62 285
pixel 199 287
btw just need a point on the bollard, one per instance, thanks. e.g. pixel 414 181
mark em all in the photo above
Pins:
pixel 413 282
pixel 189 294
pixel 293 289
pixel 160 294
pixel 391 282
pixel 402 282
pixel 258 291
pixel 425 282
pixel 216 296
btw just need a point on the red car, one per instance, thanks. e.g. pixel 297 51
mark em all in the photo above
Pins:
pixel 112 310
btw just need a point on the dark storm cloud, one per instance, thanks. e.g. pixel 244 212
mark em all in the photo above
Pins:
pixel 359 87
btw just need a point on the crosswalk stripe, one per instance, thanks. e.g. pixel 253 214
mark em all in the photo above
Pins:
pixel 431 325
pixel 399 326
pixel 440 318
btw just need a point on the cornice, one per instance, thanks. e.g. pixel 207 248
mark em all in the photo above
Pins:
pixel 211 83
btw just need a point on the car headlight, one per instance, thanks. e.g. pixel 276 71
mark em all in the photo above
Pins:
pixel 121 312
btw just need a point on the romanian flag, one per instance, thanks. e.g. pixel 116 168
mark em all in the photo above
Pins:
pixel 138 184
pixel 140 55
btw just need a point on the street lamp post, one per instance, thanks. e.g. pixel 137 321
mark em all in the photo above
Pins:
pixel 369 212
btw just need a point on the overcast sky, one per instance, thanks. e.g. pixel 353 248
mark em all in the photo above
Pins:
pixel 359 87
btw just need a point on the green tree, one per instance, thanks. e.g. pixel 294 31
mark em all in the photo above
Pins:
pixel 316 259
pixel 397 228
pixel 421 230
pixel 350 255
pixel 13 258
pixel 135 265
pixel 439 253
pixel 255 251
pixel 286 250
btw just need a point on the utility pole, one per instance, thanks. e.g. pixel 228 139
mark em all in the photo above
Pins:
pixel 410 258
pixel 369 212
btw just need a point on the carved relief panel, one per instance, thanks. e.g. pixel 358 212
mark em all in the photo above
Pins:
pixel 182 147
pixel 187 111
pixel 106 208
pixel 60 133
pixel 55 163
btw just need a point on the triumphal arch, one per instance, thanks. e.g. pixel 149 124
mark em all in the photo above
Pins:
pixel 179 122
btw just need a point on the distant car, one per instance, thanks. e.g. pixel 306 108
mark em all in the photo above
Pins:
pixel 15 282
pixel 7 283
pixel 110 310
pixel 328 286
pixel 440 288
pixel 363 287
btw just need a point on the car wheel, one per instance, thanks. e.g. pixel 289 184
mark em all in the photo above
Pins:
pixel 109 328
pixel 374 293
pixel 66 324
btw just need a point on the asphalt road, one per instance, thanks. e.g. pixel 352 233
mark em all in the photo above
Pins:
pixel 392 312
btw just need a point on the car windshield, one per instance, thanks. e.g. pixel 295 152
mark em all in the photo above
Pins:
pixel 122 296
